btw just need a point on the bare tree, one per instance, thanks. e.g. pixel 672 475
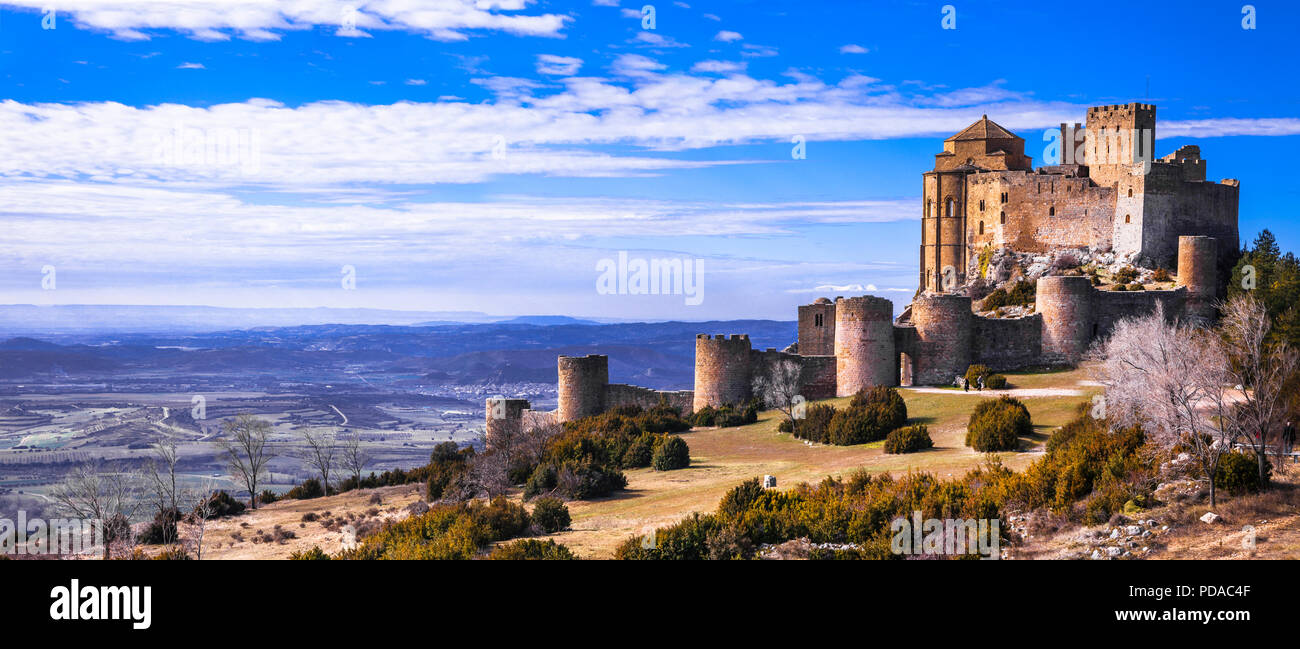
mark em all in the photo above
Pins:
pixel 107 500
pixel 196 521
pixel 354 456
pixel 1263 370
pixel 322 454
pixel 1170 379
pixel 246 451
pixel 160 475
pixel 779 387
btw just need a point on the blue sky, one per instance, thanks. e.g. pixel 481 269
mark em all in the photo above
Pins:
pixel 487 156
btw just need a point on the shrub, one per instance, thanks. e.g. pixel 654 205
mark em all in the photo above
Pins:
pixel 995 382
pixel 543 480
pixel 1126 275
pixel 1238 473
pixel 1136 287
pixel 1120 287
pixel 672 454
pixel 726 415
pixel 640 453
pixel 503 517
pixel 815 426
pixel 267 497
pixel 908 439
pixel 975 372
pixel 162 529
pixel 221 504
pixel 995 425
pixel 1019 294
pixel 1161 275
pixel 310 488
pixel 174 553
pixel 532 550
pixel 584 480
pixel 314 554
pixel 551 515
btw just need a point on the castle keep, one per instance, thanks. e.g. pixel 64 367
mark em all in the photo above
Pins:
pixel 1108 196
pixel 1107 193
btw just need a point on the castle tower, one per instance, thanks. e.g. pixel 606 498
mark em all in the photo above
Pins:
pixel 505 418
pixel 981 146
pixel 1068 321
pixel 1119 136
pixel 944 332
pixel 864 344
pixel 723 370
pixel 1197 270
pixel 583 380
pixel 817 328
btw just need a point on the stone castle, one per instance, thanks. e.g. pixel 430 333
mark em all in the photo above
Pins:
pixel 1109 195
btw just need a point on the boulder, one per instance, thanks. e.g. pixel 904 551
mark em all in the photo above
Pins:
pixel 1209 517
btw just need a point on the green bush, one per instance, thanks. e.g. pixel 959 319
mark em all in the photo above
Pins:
pixel 222 504
pixel 162 529
pixel 1238 473
pixel 1120 287
pixel 267 497
pixel 532 550
pixel 908 439
pixel 1136 287
pixel 551 514
pixel 314 554
pixel 726 415
pixel 995 382
pixel 174 553
pixel 543 480
pixel 975 372
pixel 1126 275
pixel 640 453
pixel 1019 294
pixel 672 454
pixel 310 488
pixel 504 518
pixel 1161 275
pixel 815 426
pixel 996 425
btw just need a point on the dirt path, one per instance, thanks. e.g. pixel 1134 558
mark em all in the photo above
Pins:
pixel 1024 393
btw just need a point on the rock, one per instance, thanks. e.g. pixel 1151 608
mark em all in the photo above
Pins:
pixel 1183 457
pixel 1146 533
pixel 1036 270
pixel 1114 534
pixel 1114 551
pixel 1132 530
pixel 1096 554
pixel 1209 517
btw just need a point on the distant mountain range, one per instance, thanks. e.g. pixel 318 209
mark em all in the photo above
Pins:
pixel 35 320
pixel 658 355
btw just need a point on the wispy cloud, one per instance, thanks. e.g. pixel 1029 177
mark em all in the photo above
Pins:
pixel 554 65
pixel 190 66
pixel 727 36
pixel 853 49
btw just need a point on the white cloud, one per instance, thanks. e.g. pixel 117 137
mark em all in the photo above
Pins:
pixel 727 36
pixel 604 3
pixel 416 82
pixel 652 39
pixel 853 49
pixel 563 66
pixel 217 20
pixel 190 66
pixel 719 67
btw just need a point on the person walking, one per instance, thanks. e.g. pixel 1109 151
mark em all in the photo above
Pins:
pixel 965 385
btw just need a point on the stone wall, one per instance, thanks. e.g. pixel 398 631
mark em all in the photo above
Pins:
pixel 1007 343
pixel 621 394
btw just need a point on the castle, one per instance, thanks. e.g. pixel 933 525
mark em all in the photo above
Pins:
pixel 1107 195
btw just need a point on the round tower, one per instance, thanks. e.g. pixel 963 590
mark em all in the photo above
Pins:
pixel 1066 304
pixel 864 344
pixel 944 332
pixel 582 385
pixel 1197 270
pixel 723 370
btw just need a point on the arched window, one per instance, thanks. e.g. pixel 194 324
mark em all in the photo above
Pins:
pixel 947 208
pixel 1126 219
pixel 1130 192
pixel 981 205
pixel 1051 211
pixel 981 227
pixel 1004 197
pixel 817 320
pixel 1003 218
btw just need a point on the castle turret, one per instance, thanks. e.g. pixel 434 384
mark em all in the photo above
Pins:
pixel 723 370
pixel 1066 304
pixel 505 418
pixel 944 335
pixel 864 344
pixel 817 328
pixel 583 381
pixel 1197 270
